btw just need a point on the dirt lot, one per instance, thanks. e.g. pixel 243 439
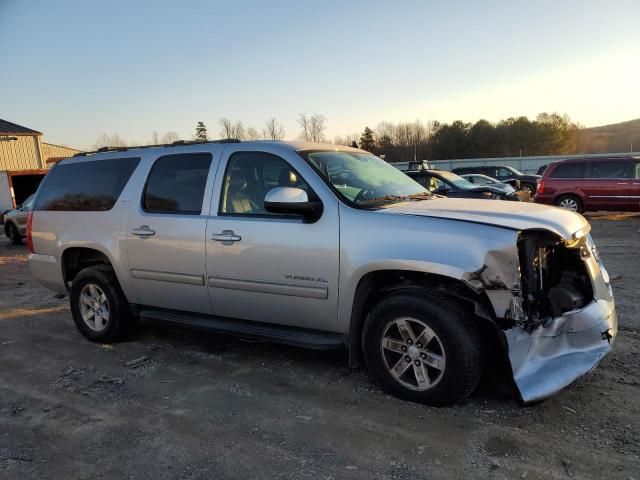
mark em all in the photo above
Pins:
pixel 177 404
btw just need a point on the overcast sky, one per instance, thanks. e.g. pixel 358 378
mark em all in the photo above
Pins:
pixel 77 69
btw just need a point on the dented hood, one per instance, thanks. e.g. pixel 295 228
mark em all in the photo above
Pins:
pixel 513 215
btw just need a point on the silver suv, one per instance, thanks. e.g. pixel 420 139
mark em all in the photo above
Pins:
pixel 325 247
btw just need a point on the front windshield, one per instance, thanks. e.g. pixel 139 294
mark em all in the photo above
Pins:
pixel 457 180
pixel 517 172
pixel 364 179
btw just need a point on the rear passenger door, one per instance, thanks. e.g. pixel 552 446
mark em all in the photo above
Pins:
pixel 166 233
pixel 608 184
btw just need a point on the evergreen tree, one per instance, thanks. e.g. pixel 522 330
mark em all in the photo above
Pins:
pixel 367 141
pixel 201 132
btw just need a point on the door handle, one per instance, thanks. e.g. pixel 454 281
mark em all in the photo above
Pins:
pixel 227 237
pixel 143 231
pixel 623 183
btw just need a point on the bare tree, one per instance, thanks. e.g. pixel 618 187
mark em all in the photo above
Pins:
pixel 313 127
pixel 170 137
pixel 227 128
pixel 252 134
pixel 105 140
pixel 347 139
pixel 232 130
pixel 155 138
pixel 273 130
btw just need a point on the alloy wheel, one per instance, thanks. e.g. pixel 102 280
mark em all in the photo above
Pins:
pixel 569 203
pixel 413 354
pixel 94 307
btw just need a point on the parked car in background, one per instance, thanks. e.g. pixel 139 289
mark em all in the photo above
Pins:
pixel 325 247
pixel 480 179
pixel 528 183
pixel 15 221
pixel 451 185
pixel 592 184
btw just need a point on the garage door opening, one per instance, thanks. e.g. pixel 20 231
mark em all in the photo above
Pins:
pixel 25 184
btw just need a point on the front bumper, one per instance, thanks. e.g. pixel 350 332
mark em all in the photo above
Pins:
pixel 552 357
pixel 556 354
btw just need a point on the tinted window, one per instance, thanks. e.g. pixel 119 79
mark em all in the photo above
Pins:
pixel 611 169
pixel 88 186
pixel 568 170
pixel 176 184
pixel 249 176
pixel 503 173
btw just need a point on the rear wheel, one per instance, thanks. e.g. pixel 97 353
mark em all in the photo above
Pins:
pixel 14 235
pixel 422 347
pixel 99 308
pixel 570 202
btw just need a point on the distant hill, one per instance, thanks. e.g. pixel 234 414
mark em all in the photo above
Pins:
pixel 616 137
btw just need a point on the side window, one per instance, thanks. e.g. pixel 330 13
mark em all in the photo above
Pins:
pixel 85 185
pixel 568 170
pixel 503 173
pixel 176 184
pixel 248 178
pixel 611 169
pixel 28 204
pixel 479 180
pixel 430 183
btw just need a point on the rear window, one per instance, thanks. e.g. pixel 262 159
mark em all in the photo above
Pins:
pixel 568 170
pixel 89 186
pixel 176 184
pixel 611 169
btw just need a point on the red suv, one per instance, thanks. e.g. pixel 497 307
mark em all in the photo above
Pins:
pixel 603 183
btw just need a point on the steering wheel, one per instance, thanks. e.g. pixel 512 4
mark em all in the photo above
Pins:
pixel 364 195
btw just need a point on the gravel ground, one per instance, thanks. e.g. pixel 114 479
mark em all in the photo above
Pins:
pixel 184 405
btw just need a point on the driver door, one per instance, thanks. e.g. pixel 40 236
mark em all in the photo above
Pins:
pixel 269 267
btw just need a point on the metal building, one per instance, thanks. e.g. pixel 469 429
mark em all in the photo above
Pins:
pixel 527 165
pixel 24 160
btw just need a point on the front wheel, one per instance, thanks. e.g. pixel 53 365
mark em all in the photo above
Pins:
pixel 99 308
pixel 422 347
pixel 529 188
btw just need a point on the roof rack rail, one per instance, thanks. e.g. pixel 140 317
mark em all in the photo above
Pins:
pixel 177 143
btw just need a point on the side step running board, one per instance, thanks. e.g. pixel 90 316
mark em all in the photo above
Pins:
pixel 302 337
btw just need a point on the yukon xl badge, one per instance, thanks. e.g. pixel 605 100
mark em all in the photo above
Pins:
pixel 306 279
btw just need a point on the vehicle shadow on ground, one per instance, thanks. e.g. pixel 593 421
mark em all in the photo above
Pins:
pixel 496 385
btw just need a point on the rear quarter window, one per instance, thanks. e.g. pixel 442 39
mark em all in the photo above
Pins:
pixel 568 170
pixel 85 186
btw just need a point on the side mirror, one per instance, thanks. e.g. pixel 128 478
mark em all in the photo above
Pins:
pixel 19 207
pixel 292 201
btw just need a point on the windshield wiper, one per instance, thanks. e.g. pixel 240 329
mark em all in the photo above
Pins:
pixel 421 196
pixel 398 198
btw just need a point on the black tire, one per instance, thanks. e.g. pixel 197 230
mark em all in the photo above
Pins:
pixel 457 334
pixel 14 234
pixel 528 187
pixel 570 199
pixel 120 317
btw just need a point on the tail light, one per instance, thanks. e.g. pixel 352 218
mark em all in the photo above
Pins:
pixel 29 236
pixel 541 186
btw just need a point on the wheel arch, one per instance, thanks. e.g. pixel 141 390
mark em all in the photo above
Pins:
pixel 379 283
pixel 74 259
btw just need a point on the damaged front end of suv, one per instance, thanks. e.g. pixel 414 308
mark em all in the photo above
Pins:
pixel 558 317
